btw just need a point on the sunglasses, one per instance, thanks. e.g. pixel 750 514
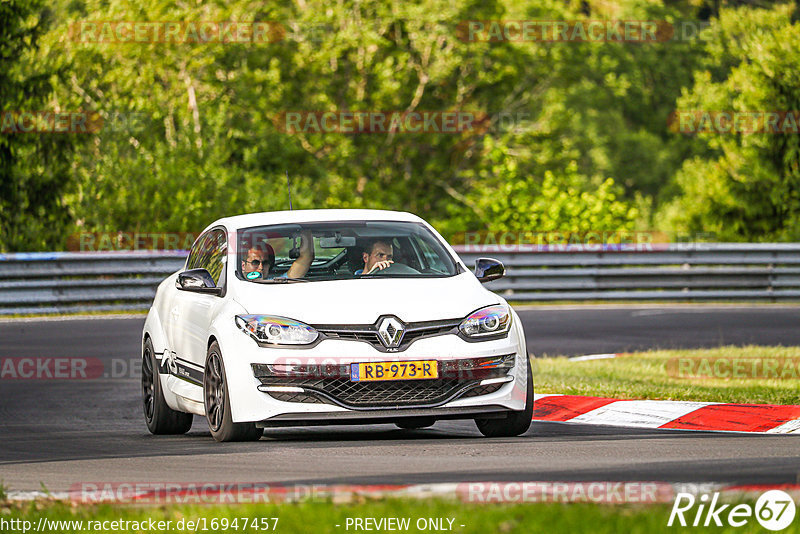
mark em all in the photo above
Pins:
pixel 257 263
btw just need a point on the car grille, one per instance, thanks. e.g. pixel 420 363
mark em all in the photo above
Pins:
pixel 312 398
pixel 413 335
pixel 369 333
pixel 353 335
pixel 332 385
pixel 379 394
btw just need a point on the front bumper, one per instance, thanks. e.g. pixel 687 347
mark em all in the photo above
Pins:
pixel 258 394
pixel 383 416
pixel 331 384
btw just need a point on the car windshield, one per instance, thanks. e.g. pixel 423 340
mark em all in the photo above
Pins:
pixel 340 250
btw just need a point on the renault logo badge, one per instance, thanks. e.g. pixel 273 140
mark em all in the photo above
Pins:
pixel 391 331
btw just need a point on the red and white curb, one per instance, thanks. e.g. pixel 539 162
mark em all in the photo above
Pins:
pixel 676 415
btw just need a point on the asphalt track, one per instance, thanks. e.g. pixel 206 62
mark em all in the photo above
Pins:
pixel 64 432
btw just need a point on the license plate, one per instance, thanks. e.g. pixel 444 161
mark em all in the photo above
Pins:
pixel 416 370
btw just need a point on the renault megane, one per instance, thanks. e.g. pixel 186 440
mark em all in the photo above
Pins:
pixel 331 317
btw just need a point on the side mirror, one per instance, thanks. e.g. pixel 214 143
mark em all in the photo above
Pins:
pixel 488 269
pixel 197 281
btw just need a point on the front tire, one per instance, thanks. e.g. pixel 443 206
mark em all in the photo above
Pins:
pixel 160 418
pixel 516 423
pixel 218 404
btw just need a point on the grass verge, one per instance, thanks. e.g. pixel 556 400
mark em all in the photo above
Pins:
pixel 645 375
pixel 319 518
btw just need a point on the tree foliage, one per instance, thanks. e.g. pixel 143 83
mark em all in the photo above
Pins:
pixel 745 186
pixel 575 136
pixel 35 170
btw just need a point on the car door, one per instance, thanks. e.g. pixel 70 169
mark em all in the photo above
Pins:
pixel 191 313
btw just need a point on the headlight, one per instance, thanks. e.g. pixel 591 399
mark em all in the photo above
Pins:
pixel 276 330
pixel 489 321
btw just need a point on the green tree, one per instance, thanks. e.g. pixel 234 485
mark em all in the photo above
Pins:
pixel 191 130
pixel 744 186
pixel 210 146
pixel 506 200
pixel 35 169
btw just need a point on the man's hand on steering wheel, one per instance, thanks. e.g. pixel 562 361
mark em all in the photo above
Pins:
pixel 381 265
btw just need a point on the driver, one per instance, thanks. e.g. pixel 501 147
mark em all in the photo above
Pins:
pixel 260 260
pixel 378 255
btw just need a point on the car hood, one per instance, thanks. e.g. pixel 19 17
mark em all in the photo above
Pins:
pixel 362 301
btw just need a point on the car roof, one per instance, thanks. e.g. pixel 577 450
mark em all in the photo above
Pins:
pixel 249 220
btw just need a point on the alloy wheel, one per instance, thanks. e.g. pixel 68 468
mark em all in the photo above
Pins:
pixel 148 386
pixel 214 392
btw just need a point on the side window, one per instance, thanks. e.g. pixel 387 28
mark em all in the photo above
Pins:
pixel 191 263
pixel 209 253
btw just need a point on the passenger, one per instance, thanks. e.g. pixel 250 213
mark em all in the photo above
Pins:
pixel 261 259
pixel 378 255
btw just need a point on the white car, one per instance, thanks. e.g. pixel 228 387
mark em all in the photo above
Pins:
pixel 331 317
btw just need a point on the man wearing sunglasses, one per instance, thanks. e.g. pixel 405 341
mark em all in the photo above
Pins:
pixel 260 260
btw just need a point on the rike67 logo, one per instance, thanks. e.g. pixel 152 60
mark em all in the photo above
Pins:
pixel 774 510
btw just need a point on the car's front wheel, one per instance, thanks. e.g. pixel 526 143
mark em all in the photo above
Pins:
pixel 160 418
pixel 516 423
pixel 218 405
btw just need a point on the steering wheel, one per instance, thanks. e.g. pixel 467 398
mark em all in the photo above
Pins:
pixel 397 268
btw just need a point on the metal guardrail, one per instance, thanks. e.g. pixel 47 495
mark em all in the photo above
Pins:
pixel 685 272
pixel 64 282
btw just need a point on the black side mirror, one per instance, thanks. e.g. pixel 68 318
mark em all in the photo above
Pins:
pixel 488 269
pixel 198 281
